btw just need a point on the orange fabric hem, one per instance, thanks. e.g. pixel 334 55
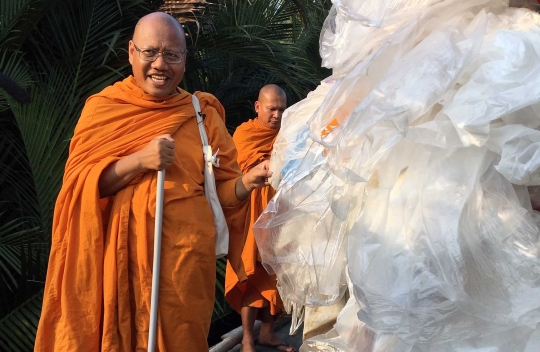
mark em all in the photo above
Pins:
pixel 258 291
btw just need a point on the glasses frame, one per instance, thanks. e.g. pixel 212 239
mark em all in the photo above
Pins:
pixel 160 53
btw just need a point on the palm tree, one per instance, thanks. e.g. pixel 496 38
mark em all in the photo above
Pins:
pixel 237 47
pixel 62 51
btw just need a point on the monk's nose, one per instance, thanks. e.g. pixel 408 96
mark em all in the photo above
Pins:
pixel 159 63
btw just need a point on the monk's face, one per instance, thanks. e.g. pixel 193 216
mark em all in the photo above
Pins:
pixel 269 108
pixel 158 78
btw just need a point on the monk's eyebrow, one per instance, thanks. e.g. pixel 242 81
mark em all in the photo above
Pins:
pixel 168 50
pixel 149 48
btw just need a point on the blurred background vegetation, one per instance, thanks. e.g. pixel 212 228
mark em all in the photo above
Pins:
pixel 62 51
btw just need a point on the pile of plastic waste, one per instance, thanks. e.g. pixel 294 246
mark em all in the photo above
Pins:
pixel 405 179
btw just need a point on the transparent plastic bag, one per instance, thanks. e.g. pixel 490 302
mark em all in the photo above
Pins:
pixel 305 245
pixel 409 166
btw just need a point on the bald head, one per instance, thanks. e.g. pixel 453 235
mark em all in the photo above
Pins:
pixel 270 106
pixel 271 90
pixel 159 19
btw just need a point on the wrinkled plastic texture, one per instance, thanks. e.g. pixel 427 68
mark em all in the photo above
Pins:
pixel 411 166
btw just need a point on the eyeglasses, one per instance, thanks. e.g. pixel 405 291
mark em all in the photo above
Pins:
pixel 170 57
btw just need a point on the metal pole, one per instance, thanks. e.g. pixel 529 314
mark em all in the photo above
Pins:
pixel 157 256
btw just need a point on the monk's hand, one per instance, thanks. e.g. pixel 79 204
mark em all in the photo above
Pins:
pixel 257 177
pixel 158 153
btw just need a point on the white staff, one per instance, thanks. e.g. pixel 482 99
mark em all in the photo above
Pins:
pixel 157 257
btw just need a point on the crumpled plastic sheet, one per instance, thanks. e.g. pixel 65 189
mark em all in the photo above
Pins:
pixel 412 169
pixel 297 312
pixel 348 331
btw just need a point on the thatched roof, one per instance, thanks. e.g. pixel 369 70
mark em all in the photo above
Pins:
pixel 186 10
pixel 529 4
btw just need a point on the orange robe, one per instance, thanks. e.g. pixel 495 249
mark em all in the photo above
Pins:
pixel 254 143
pixel 98 287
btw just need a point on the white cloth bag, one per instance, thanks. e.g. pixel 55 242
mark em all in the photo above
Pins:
pixel 211 160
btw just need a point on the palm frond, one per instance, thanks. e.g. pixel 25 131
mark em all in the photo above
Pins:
pixel 18 18
pixel 233 52
pixel 12 234
pixel 18 329
pixel 12 65
pixel 221 307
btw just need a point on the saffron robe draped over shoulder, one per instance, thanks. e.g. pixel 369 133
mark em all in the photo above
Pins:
pixel 254 143
pixel 98 287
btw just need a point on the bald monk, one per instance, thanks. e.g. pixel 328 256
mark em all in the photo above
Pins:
pixel 257 297
pixel 98 287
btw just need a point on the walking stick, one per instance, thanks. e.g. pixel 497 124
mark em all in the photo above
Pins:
pixel 157 256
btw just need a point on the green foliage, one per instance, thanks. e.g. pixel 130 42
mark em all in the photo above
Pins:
pixel 242 45
pixel 20 326
pixel 221 308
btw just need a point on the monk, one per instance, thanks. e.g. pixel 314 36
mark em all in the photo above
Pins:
pixel 257 297
pixel 98 286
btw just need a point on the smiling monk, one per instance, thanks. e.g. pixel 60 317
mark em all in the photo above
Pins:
pixel 98 287
pixel 257 297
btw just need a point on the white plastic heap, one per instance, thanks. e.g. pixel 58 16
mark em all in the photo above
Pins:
pixel 403 179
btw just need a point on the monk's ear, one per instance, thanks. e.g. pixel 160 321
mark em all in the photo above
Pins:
pixel 257 106
pixel 131 51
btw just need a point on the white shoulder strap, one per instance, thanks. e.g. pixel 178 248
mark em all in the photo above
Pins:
pixel 207 149
pixel 200 121
pixel 210 192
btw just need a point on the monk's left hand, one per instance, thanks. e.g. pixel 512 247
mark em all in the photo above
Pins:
pixel 257 177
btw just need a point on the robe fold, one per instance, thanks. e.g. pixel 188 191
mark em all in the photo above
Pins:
pixel 98 286
pixel 254 143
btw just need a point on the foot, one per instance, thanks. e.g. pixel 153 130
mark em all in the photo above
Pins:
pixel 247 345
pixel 274 342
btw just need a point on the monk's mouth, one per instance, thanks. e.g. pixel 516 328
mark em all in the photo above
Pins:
pixel 158 79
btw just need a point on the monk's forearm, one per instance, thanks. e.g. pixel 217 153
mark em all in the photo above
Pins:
pixel 257 177
pixel 118 174
pixel 241 191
